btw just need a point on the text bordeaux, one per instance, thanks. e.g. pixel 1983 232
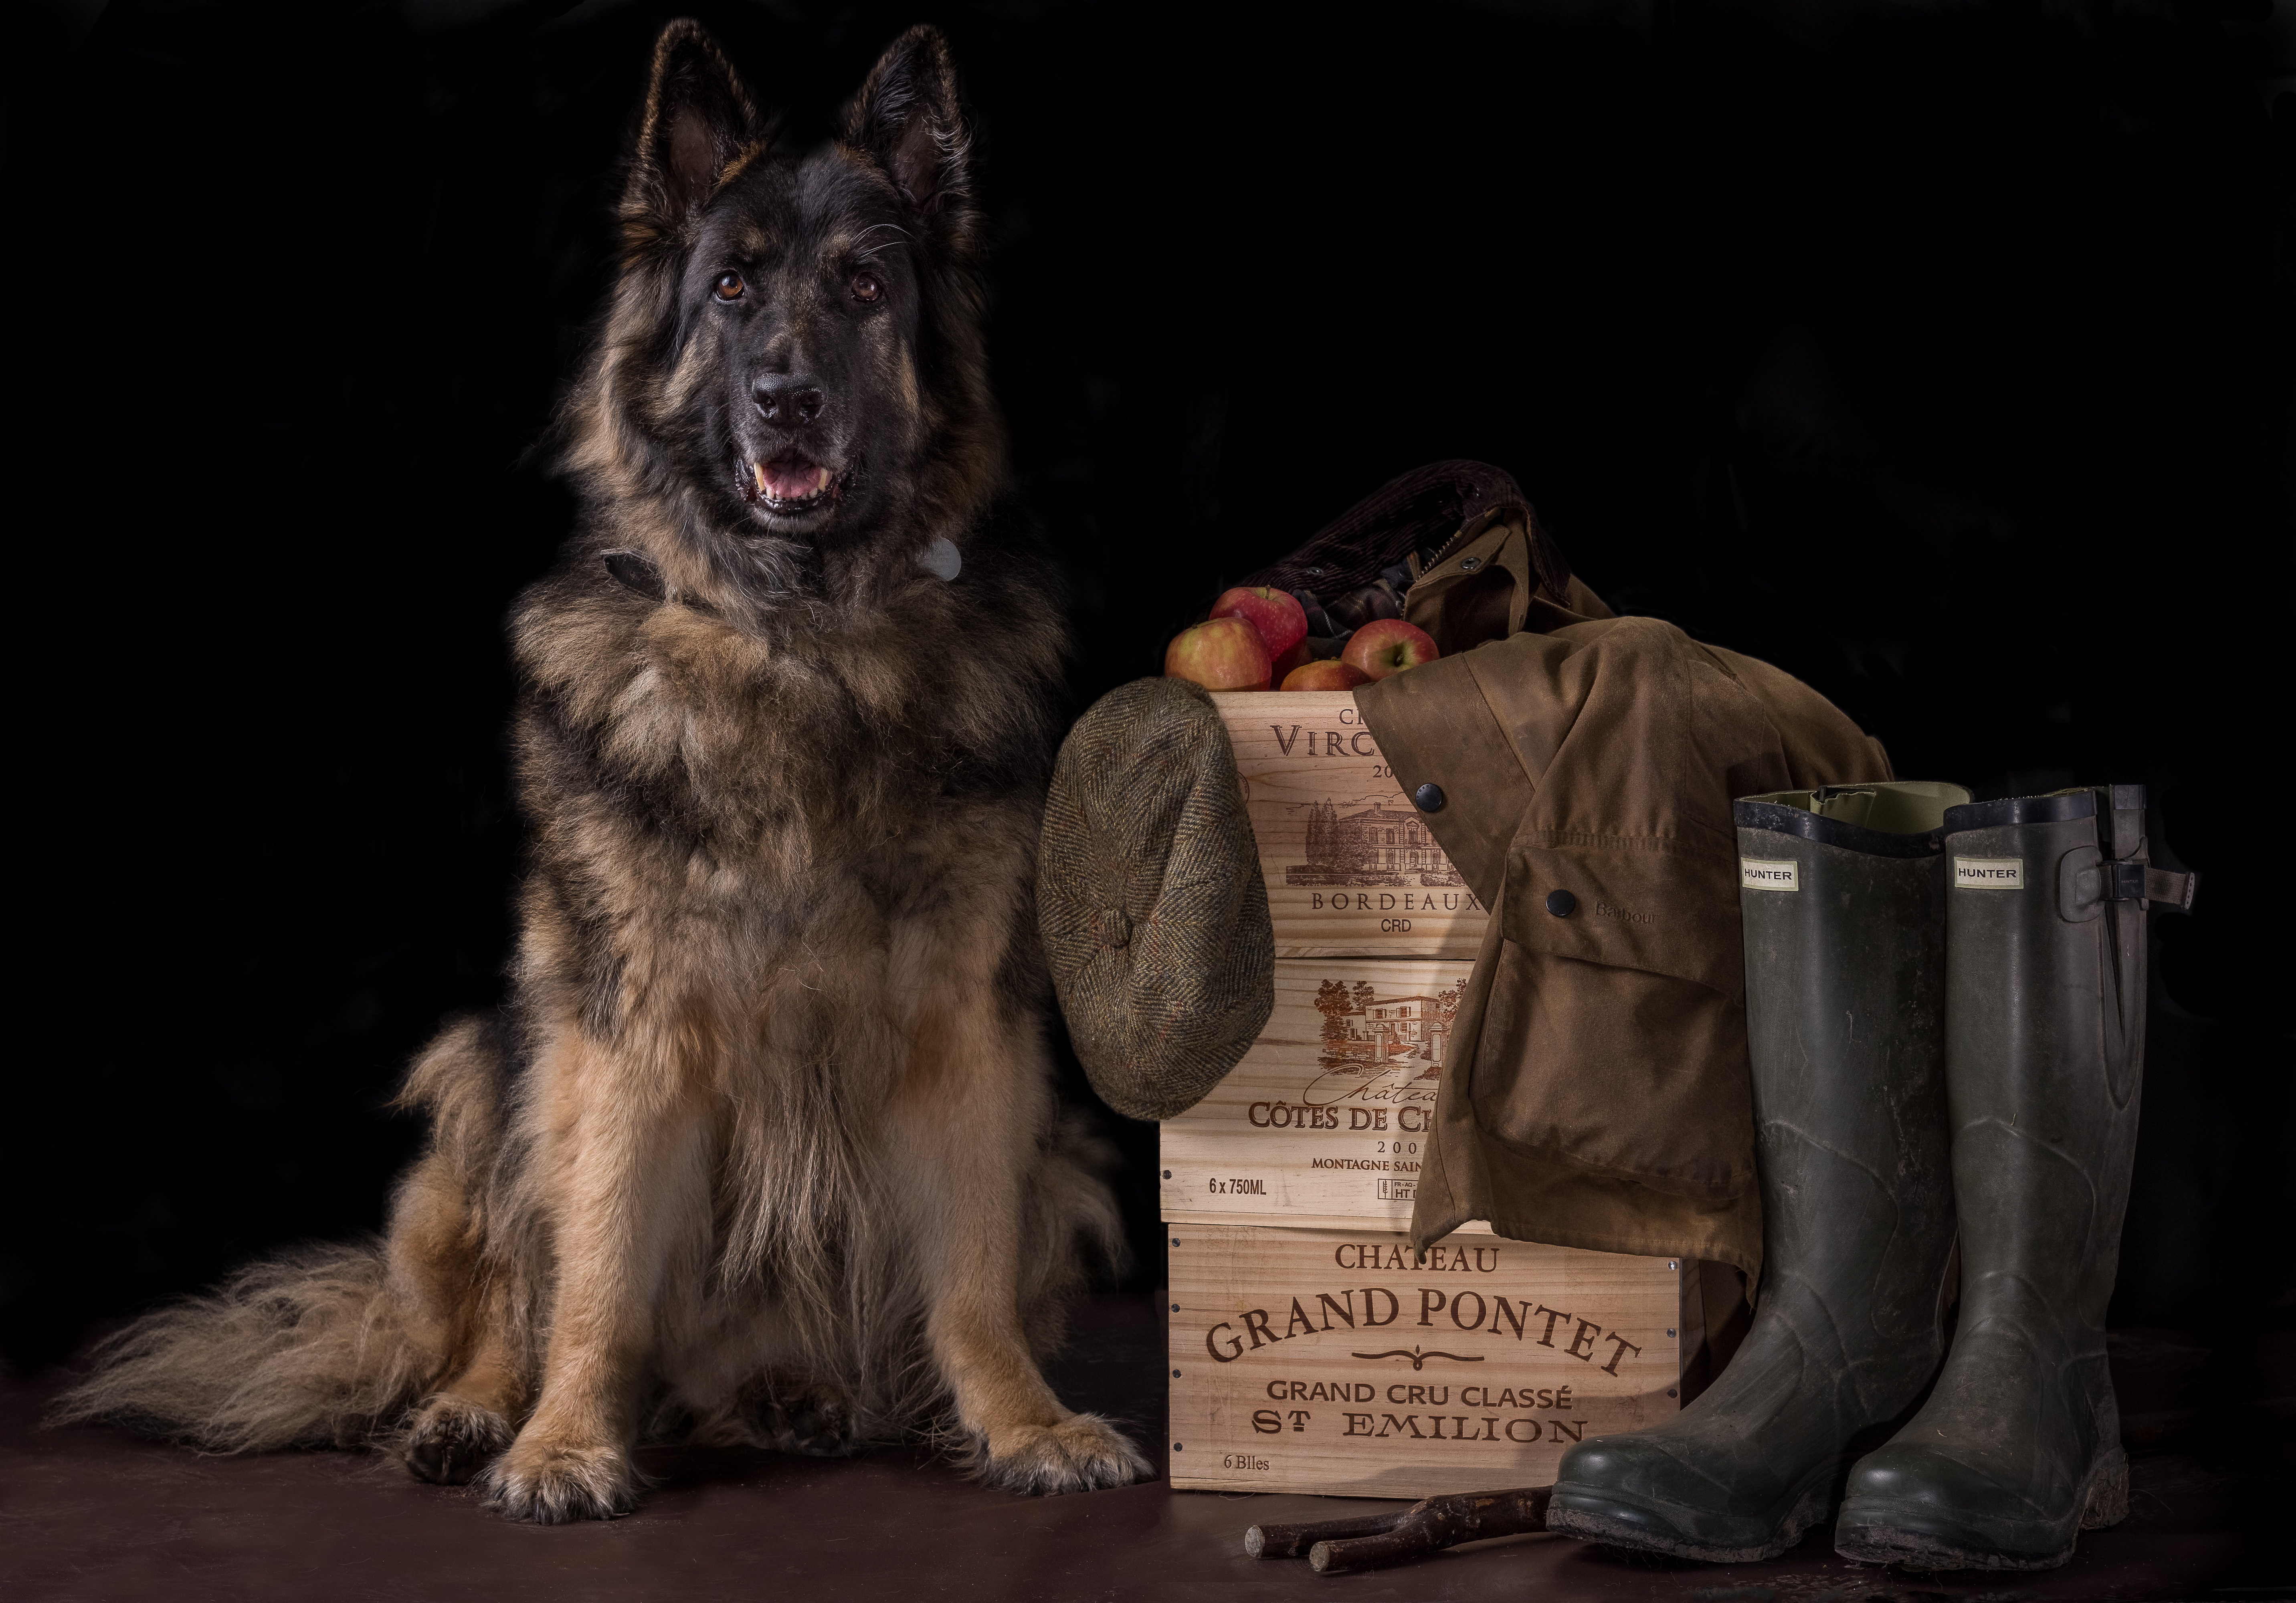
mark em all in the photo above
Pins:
pixel 1425 901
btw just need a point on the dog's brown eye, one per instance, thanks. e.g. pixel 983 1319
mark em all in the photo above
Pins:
pixel 729 286
pixel 866 287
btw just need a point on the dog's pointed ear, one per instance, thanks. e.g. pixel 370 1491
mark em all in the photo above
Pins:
pixel 909 120
pixel 700 122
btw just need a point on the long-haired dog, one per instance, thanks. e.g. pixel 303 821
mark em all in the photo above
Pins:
pixel 765 1143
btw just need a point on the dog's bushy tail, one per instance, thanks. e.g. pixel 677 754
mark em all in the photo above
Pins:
pixel 305 1349
pixel 323 1345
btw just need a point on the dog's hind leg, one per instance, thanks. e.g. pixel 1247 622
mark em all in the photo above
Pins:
pixel 624 1165
pixel 967 1129
pixel 460 1428
pixel 453 1297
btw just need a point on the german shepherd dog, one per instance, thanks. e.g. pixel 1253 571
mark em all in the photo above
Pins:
pixel 764 1147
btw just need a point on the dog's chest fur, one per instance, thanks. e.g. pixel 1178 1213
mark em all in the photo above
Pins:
pixel 760 820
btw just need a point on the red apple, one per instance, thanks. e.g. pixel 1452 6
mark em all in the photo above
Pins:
pixel 1388 645
pixel 1273 613
pixel 1325 674
pixel 1221 654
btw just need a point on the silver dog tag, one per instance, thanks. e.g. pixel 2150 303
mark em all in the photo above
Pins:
pixel 941 559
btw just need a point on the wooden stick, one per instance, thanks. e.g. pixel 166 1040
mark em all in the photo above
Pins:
pixel 1432 1525
pixel 1293 1542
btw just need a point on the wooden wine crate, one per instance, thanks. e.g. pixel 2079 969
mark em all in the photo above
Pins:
pixel 1327 1118
pixel 1329 1362
pixel 1351 870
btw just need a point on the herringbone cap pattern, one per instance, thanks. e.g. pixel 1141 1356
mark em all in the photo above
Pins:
pixel 1149 900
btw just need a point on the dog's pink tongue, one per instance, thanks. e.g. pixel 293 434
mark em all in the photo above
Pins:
pixel 792 480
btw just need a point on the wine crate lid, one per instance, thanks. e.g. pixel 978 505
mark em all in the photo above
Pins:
pixel 1340 1362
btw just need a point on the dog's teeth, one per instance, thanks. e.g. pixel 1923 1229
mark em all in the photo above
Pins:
pixel 820 480
pixel 759 468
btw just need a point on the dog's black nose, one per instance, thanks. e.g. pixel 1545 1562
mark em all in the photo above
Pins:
pixel 790 402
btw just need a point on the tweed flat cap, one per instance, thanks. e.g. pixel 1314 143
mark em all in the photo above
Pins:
pixel 1149 898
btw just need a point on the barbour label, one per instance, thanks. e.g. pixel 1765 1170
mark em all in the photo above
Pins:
pixel 1989 873
pixel 1755 874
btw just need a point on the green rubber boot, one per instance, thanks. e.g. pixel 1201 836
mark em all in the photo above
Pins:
pixel 1844 915
pixel 2018 1449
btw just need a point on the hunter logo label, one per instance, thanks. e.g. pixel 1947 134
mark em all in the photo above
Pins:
pixel 1754 873
pixel 1989 873
pixel 1351 867
pixel 1329 1114
pixel 1321 1361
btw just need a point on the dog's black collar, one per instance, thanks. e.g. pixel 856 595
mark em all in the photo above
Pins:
pixel 635 570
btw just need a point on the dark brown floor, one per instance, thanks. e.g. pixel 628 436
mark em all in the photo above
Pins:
pixel 99 1515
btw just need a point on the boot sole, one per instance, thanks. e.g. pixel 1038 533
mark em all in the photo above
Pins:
pixel 1620 1521
pixel 1914 1537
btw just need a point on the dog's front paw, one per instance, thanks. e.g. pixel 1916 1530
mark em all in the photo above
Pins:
pixel 551 1485
pixel 1083 1452
pixel 450 1439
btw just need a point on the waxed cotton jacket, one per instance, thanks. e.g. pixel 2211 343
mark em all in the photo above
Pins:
pixel 1578 768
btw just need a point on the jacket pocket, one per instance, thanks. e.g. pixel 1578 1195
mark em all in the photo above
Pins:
pixel 1641 902
pixel 1614 1035
pixel 1617 1070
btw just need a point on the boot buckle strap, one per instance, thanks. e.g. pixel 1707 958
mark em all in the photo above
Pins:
pixel 2142 882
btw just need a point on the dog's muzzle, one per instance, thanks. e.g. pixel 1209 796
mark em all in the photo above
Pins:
pixel 790 485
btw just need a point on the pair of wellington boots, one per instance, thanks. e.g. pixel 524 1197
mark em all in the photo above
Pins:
pixel 1945 1007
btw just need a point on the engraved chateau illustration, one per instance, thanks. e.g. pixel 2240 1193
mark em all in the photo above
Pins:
pixel 1375 846
pixel 1365 1033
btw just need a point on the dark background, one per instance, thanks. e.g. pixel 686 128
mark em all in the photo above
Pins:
pixel 1940 354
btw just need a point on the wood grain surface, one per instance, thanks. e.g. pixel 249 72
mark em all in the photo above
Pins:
pixel 1331 1361
pixel 1325 1119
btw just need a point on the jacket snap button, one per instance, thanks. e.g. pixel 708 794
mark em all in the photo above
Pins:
pixel 1561 902
pixel 1430 798
pixel 1469 564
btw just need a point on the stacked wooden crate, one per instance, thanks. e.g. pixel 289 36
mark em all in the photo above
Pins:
pixel 1311 1349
